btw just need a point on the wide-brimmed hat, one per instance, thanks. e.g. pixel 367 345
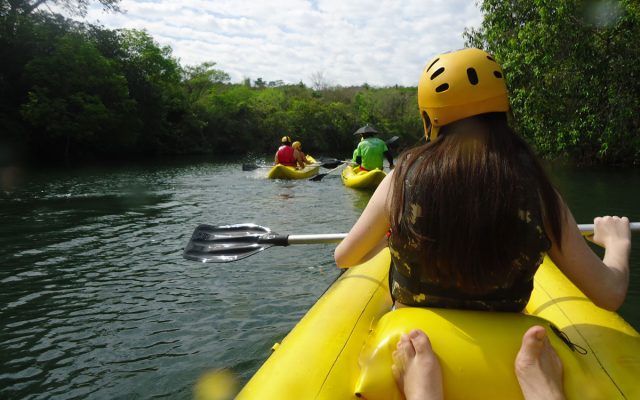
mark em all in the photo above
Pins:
pixel 366 129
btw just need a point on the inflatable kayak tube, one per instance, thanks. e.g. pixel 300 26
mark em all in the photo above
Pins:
pixel 356 178
pixel 280 171
pixel 341 349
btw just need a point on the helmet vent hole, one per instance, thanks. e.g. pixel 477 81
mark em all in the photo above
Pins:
pixel 431 65
pixel 442 88
pixel 438 72
pixel 472 75
pixel 497 74
pixel 491 58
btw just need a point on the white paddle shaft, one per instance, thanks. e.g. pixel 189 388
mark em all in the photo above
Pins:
pixel 337 237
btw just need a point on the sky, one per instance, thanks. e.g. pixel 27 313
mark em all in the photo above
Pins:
pixel 346 42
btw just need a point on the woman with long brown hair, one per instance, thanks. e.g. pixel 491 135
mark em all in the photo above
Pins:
pixel 469 215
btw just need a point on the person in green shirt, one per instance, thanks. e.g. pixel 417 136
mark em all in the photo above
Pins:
pixel 371 150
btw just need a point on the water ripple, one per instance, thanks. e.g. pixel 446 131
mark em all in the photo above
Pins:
pixel 97 302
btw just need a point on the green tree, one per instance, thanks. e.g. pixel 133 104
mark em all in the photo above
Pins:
pixel 259 83
pixel 154 81
pixel 201 78
pixel 230 119
pixel 79 7
pixel 85 113
pixel 72 91
pixel 572 69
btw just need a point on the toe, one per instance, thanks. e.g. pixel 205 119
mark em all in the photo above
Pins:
pixel 420 341
pixel 407 349
pixel 533 342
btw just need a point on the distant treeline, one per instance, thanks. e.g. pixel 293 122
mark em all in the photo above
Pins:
pixel 73 92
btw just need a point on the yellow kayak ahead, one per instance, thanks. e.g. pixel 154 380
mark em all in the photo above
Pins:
pixel 356 178
pixel 280 171
pixel 341 349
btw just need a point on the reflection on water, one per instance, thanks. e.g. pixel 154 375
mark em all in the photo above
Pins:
pixel 96 300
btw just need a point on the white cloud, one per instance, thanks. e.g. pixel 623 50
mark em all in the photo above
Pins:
pixel 380 42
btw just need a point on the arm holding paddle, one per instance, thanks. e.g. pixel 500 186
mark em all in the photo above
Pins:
pixel 604 281
pixel 228 243
pixel 368 235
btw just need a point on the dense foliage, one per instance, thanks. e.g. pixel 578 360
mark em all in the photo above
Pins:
pixel 573 69
pixel 74 92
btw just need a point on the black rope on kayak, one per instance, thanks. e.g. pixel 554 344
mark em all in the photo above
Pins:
pixel 563 336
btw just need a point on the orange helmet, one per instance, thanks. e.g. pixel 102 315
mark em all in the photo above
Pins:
pixel 296 145
pixel 458 85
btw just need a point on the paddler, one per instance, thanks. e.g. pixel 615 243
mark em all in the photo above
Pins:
pixel 371 151
pixel 469 216
pixel 285 153
pixel 298 155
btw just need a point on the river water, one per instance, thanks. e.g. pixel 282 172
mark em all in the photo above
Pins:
pixel 97 302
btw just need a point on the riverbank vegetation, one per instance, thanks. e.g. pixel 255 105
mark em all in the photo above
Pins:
pixel 573 70
pixel 73 92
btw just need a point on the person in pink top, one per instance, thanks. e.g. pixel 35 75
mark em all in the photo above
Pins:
pixel 285 154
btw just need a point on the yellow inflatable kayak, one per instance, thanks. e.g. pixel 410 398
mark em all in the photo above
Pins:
pixel 341 349
pixel 280 171
pixel 356 178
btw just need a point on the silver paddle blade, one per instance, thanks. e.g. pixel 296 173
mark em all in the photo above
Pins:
pixel 225 243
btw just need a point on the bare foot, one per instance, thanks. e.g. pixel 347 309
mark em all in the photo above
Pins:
pixel 538 367
pixel 416 368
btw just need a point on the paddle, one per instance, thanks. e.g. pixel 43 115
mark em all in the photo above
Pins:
pixel 320 176
pixel 328 164
pixel 226 243
pixel 331 163
pixel 251 167
pixel 587 229
pixel 391 141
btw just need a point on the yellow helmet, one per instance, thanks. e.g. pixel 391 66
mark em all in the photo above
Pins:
pixel 296 145
pixel 285 139
pixel 458 85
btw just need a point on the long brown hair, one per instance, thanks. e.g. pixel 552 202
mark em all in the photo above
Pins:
pixel 468 189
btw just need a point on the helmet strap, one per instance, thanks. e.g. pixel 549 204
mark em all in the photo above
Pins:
pixel 427 124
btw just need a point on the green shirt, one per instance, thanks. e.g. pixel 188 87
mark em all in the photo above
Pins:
pixel 372 152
